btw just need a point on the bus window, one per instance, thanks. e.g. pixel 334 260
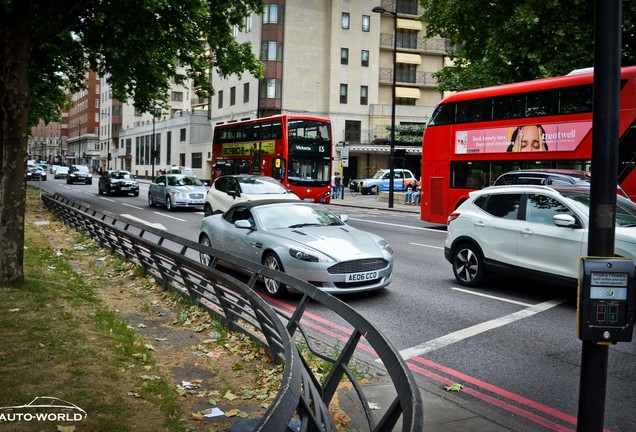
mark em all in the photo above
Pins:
pixel 442 115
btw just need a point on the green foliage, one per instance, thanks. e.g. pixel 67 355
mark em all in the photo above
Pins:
pixel 407 134
pixel 139 46
pixel 499 41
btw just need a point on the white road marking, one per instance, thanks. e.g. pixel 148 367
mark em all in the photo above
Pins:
pixel 145 222
pixel 460 335
pixel 168 216
pixel 492 297
pixel 399 225
pixel 130 205
pixel 107 199
pixel 427 246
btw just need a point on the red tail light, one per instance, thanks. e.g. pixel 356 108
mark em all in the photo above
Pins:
pixel 452 217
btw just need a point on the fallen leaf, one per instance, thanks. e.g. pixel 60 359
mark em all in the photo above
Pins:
pixel 454 388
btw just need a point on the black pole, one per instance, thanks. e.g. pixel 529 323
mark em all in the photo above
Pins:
pixel 392 152
pixel 152 153
pixel 605 118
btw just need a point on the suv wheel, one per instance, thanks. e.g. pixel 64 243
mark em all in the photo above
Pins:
pixel 468 265
pixel 207 209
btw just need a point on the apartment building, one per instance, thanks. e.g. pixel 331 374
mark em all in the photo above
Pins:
pixel 48 141
pixel 83 124
pixel 335 59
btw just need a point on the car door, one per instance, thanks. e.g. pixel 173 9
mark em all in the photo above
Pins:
pixel 157 189
pixel 497 226
pixel 240 241
pixel 545 247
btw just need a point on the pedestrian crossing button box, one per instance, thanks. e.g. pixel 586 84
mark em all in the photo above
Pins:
pixel 606 300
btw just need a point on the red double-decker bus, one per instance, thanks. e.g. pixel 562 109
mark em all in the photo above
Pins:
pixel 295 149
pixel 474 136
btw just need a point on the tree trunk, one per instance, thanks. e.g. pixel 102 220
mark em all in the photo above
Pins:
pixel 15 102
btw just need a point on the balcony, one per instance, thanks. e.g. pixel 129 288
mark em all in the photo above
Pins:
pixel 422 79
pixel 437 46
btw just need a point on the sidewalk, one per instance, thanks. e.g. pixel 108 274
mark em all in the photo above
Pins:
pixel 379 202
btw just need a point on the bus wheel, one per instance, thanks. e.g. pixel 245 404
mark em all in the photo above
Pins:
pixel 274 287
pixel 468 265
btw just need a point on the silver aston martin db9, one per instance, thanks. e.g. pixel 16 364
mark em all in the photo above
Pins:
pixel 304 240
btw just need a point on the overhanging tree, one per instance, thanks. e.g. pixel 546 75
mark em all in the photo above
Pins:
pixel 46 47
pixel 501 41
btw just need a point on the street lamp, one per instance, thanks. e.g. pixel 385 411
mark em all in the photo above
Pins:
pixel 380 10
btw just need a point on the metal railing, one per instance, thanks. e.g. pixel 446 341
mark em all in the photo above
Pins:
pixel 173 262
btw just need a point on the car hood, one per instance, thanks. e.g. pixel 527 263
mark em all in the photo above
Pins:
pixel 187 189
pixel 339 242
pixel 282 196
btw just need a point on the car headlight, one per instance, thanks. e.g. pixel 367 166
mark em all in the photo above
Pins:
pixel 305 256
pixel 179 195
pixel 385 246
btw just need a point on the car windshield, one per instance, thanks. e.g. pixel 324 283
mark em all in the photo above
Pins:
pixel 80 168
pixel 378 175
pixel 254 185
pixel 280 216
pixel 184 181
pixel 122 175
pixel 625 209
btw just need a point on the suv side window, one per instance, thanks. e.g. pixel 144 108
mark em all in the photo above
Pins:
pixel 531 180
pixel 505 206
pixel 541 209
pixel 221 184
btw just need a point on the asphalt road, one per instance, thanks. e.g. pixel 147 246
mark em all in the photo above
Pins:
pixel 513 341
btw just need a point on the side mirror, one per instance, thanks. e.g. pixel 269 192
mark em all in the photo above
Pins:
pixel 564 221
pixel 243 224
pixel 344 217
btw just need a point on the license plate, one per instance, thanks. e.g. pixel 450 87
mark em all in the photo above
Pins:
pixel 309 199
pixel 125 188
pixel 361 277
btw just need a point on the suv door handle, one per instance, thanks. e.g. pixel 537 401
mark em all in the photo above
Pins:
pixel 479 223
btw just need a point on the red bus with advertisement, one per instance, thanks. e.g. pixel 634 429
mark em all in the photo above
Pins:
pixel 474 136
pixel 295 149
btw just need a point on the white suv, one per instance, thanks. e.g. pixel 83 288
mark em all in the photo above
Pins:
pixel 532 231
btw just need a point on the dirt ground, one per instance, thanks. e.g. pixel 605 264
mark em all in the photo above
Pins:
pixel 207 366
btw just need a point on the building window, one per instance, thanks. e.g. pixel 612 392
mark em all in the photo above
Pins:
pixel 232 96
pixel 344 90
pixel 353 130
pixel 176 96
pixel 220 99
pixel 182 134
pixel 248 23
pixel 364 58
pixel 168 148
pixel 405 72
pixel 364 95
pixel 246 92
pixel 270 88
pixel 182 161
pixel 197 160
pixel 235 31
pixel 405 101
pixel 271 14
pixel 406 39
pixel 345 20
pixel 344 56
pixel 270 51
pixel 366 23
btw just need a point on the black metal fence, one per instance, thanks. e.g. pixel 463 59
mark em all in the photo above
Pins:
pixel 173 262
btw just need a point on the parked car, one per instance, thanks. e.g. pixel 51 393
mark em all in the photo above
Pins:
pixel 177 190
pixel 60 172
pixel 53 168
pixel 117 182
pixel 302 239
pixel 380 181
pixel 231 189
pixel 180 170
pixel 36 173
pixel 531 231
pixel 79 174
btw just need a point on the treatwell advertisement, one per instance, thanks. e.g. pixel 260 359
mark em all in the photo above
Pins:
pixel 526 138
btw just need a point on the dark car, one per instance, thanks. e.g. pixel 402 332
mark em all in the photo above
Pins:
pixel 79 174
pixel 546 177
pixel 118 182
pixel 36 173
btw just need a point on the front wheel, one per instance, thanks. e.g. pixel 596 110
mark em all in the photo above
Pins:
pixel 169 203
pixel 373 190
pixel 274 287
pixel 468 265
pixel 151 200
pixel 204 258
